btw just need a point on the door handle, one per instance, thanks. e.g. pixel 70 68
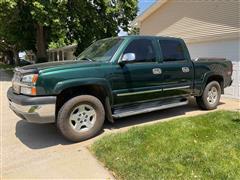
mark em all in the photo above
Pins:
pixel 185 69
pixel 156 71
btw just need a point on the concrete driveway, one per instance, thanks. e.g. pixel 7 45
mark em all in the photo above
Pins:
pixel 39 151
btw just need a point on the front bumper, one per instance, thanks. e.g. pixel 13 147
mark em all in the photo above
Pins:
pixel 33 109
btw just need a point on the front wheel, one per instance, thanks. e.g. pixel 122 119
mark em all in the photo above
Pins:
pixel 210 97
pixel 81 118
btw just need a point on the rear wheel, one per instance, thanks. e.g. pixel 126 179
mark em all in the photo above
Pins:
pixel 81 118
pixel 210 97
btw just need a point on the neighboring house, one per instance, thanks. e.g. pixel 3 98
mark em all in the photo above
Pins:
pixel 210 29
pixel 63 53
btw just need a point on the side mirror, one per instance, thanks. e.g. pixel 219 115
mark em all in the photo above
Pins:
pixel 128 57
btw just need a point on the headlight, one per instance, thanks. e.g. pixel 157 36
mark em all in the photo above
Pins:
pixel 30 79
pixel 28 84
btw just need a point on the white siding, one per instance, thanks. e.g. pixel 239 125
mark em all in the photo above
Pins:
pixel 194 20
pixel 229 49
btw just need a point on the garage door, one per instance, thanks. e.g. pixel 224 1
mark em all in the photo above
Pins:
pixel 221 48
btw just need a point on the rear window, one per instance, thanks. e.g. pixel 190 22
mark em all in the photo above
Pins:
pixel 172 50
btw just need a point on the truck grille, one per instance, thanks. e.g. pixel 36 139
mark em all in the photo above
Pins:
pixel 15 82
pixel 17 76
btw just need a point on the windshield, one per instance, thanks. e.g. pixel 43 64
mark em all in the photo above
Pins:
pixel 102 50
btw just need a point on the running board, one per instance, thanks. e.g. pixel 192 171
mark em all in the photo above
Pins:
pixel 150 109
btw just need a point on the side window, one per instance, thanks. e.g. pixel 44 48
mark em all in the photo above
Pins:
pixel 143 50
pixel 172 50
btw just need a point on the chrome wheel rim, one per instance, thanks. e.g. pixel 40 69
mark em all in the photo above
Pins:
pixel 212 95
pixel 82 118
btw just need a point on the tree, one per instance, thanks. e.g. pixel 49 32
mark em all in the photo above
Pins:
pixel 88 21
pixel 14 30
pixel 31 25
pixel 134 31
pixel 37 24
pixel 48 21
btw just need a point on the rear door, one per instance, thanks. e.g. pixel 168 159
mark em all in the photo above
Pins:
pixel 177 68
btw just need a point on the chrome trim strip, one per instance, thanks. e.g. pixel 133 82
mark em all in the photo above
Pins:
pixel 130 113
pixel 150 91
pixel 26 71
pixel 140 92
pixel 173 88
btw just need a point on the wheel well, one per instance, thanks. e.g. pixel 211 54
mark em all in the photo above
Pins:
pixel 66 94
pixel 217 78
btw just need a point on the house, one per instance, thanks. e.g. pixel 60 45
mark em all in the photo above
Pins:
pixel 210 29
pixel 62 53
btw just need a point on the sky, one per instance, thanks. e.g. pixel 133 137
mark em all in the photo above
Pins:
pixel 142 5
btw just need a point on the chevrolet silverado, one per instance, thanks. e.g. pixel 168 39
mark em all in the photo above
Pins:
pixel 114 78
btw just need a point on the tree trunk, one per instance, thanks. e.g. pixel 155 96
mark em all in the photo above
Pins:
pixel 16 57
pixel 41 44
pixel 9 57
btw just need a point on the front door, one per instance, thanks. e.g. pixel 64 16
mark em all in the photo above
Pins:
pixel 137 80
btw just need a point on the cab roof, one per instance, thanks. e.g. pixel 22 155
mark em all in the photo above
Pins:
pixel 148 36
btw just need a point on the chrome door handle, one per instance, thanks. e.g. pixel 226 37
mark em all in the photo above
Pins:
pixel 185 69
pixel 156 71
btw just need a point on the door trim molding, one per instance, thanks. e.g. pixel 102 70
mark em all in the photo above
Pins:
pixel 151 91
pixel 140 92
pixel 173 88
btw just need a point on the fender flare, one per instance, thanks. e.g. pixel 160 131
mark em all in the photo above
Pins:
pixel 205 78
pixel 60 86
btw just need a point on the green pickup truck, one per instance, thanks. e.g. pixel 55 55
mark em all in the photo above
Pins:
pixel 114 78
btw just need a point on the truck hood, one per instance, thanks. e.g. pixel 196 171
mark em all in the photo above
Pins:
pixel 56 66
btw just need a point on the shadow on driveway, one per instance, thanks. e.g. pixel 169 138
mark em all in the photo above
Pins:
pixel 38 136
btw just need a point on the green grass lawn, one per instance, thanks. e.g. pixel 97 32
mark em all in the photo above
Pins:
pixel 201 147
pixel 5 66
pixel 8 68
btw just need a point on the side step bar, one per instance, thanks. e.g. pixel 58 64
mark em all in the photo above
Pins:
pixel 150 109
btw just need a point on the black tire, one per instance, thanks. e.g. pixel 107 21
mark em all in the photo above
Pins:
pixel 202 101
pixel 64 122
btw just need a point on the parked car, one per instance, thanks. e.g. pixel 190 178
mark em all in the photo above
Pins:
pixel 115 78
pixel 24 62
